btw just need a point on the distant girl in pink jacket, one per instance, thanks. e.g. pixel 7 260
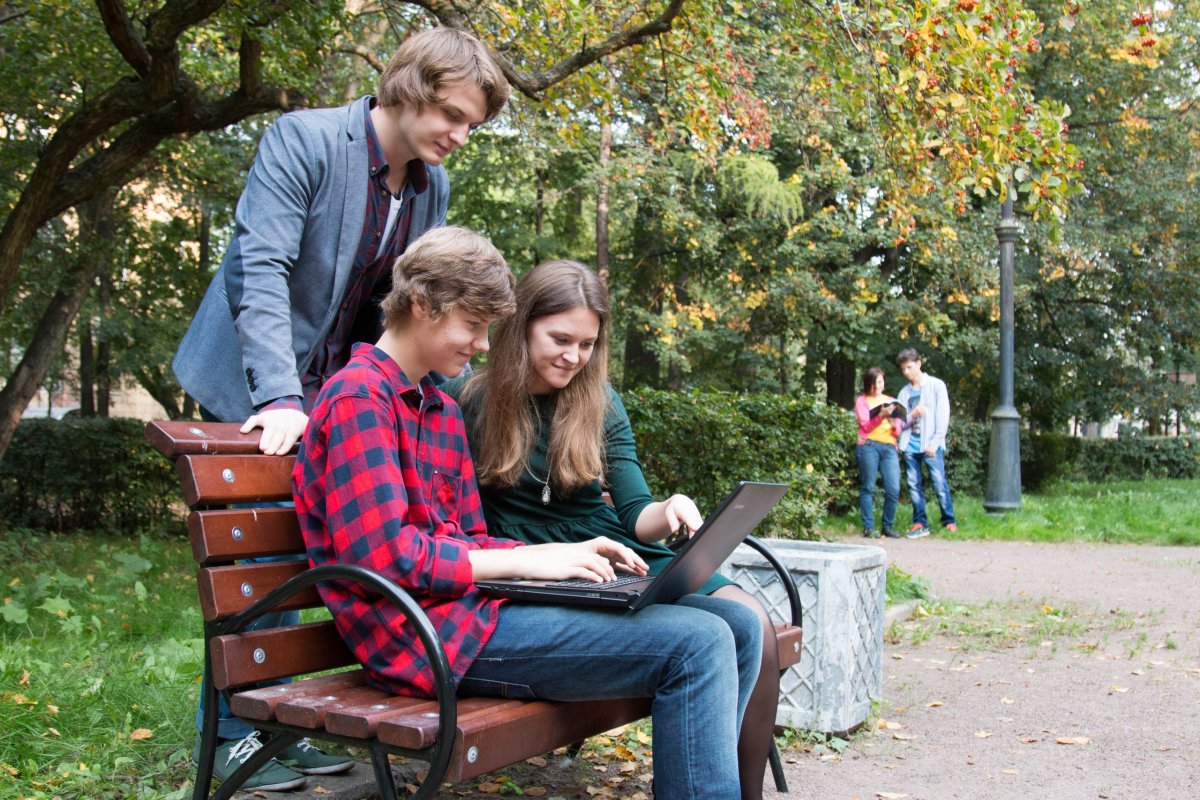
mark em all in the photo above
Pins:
pixel 877 453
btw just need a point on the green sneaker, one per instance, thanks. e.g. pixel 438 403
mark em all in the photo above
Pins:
pixel 272 777
pixel 304 757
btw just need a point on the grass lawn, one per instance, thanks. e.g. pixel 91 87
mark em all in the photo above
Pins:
pixel 100 656
pixel 100 636
pixel 1164 512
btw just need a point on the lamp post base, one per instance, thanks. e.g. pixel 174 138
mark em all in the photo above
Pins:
pixel 1004 462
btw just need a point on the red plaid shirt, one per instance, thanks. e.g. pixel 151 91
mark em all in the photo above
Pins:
pixel 384 480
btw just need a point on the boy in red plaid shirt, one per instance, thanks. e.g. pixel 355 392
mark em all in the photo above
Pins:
pixel 384 480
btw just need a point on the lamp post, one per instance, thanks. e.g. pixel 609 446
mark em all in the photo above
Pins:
pixel 1004 457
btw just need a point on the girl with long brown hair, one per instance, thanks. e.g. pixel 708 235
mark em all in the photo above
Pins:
pixel 549 435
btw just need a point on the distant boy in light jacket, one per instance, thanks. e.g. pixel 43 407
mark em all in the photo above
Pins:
pixel 923 441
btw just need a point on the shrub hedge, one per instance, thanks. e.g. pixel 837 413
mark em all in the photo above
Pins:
pixel 703 442
pixel 1046 457
pixel 93 474
pixel 101 474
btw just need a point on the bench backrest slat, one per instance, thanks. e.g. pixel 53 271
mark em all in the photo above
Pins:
pixel 174 439
pixel 224 535
pixel 246 658
pixel 224 591
pixel 221 480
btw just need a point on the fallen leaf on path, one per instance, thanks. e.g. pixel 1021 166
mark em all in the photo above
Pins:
pixel 24 678
pixel 1008 701
pixel 1073 740
pixel 888 725
pixel 1137 672
pixel 1010 772
pixel 535 791
pixel 537 761
pixel 141 733
pixel 982 734
pixel 936 704
pixel 890 795
pixel 1114 689
pixel 488 787
pixel 903 737
pixel 1029 739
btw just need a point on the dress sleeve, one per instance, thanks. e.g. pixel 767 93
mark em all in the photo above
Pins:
pixel 623 476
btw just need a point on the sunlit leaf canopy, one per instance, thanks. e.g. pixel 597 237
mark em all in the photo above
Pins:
pixel 939 82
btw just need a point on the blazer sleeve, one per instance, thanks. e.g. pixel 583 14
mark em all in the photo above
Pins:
pixel 269 227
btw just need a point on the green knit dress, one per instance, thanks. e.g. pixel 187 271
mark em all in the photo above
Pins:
pixel 519 513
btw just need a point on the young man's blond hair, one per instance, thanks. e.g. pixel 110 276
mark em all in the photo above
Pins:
pixel 431 60
pixel 449 267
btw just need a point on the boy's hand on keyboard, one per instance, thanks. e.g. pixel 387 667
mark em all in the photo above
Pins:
pixel 596 560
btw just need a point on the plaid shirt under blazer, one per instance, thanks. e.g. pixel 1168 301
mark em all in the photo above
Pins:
pixel 275 298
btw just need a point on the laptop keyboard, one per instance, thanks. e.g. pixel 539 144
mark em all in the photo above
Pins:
pixel 584 584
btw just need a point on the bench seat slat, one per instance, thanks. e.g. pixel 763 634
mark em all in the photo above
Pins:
pixel 309 712
pixel 260 704
pixel 286 651
pixel 223 590
pixel 223 535
pixel 221 480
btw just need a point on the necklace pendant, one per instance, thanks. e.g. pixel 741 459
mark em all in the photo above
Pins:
pixel 546 495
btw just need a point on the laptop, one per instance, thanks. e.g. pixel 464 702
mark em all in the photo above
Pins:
pixel 695 562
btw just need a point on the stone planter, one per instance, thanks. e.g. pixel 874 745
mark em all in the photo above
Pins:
pixel 842 590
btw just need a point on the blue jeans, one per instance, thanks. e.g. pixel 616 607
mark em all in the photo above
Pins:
pixel 936 465
pixel 877 457
pixel 698 659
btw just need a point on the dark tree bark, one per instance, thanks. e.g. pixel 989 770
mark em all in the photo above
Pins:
pixel 87 374
pixel 839 381
pixel 95 225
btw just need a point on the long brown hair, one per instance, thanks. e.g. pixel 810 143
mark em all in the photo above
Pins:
pixel 506 419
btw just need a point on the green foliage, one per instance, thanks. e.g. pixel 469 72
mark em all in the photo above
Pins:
pixel 1046 457
pixel 94 474
pixel 902 586
pixel 98 679
pixel 702 443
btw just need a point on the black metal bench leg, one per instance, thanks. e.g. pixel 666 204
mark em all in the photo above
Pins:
pixel 383 775
pixel 777 769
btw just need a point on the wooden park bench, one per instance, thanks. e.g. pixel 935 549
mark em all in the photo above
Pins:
pixel 460 738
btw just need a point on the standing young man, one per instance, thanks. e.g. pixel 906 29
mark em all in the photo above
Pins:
pixel 384 479
pixel 333 197
pixel 923 441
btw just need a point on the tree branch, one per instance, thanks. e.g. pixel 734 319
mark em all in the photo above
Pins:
pixel 8 13
pixel 128 43
pixel 533 84
pixel 365 54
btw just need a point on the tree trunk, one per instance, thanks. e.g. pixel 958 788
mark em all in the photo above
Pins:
pixel 95 224
pixel 87 395
pixel 604 164
pixel 104 346
pixel 839 381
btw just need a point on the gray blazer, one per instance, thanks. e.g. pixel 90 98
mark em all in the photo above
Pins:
pixel 275 297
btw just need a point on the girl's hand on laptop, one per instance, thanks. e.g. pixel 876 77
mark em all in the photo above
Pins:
pixel 659 520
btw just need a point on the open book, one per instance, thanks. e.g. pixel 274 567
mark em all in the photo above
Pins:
pixel 889 407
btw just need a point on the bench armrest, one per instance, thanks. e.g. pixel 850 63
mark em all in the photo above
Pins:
pixel 443 679
pixel 785 578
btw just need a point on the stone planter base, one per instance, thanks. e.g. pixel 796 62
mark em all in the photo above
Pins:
pixel 843 592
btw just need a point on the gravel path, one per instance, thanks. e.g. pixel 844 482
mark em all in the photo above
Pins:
pixel 1045 671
